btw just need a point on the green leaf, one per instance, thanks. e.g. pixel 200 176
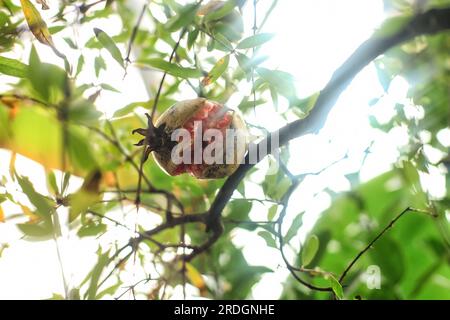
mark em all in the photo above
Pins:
pixel 192 36
pixel 305 105
pixel 336 286
pixel 55 29
pixel 86 196
pixel 220 42
pixel 80 65
pixel 183 18
pixel 34 133
pixel 96 273
pixel 293 229
pixel 218 12
pixel 246 104
pixel 43 207
pixel 48 80
pixel 66 181
pixel 108 87
pixel 74 294
pixel 218 69
pixel 70 43
pixel 309 250
pixel 41 231
pixel 83 111
pixel 275 185
pixel 80 149
pixel 109 45
pixel 172 69
pixel 99 64
pixel 255 40
pixel 130 108
pixel 109 291
pixel 163 104
pixel 388 254
pixel 231 26
pixel 13 67
pixel 269 238
pixel 53 186
pixel 282 82
pixel 239 209
pixel 272 212
pixel 92 229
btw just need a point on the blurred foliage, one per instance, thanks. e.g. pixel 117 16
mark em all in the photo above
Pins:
pixel 48 115
pixel 414 257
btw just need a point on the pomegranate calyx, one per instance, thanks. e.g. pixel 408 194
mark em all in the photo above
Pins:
pixel 156 138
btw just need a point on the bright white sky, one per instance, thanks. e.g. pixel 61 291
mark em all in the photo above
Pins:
pixel 312 39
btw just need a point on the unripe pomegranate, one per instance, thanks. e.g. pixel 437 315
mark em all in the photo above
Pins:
pixel 196 117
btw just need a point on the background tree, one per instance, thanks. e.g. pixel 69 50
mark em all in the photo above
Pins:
pixel 157 233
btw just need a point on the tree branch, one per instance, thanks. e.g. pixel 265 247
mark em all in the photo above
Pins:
pixel 430 22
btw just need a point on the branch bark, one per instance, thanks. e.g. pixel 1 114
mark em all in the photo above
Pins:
pixel 430 22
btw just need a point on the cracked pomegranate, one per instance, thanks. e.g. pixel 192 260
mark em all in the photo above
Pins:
pixel 197 116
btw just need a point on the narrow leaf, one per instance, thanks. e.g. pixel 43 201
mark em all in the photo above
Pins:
pixel 172 69
pixel 99 64
pixel 293 229
pixel 272 212
pixel 218 69
pixel 183 18
pixel 108 87
pixel 13 67
pixel 247 64
pixel 80 65
pixel 51 180
pixel 309 250
pixel 109 45
pixel 96 273
pixel 43 207
pixel 192 36
pixel 336 286
pixel 255 41
pixel 90 230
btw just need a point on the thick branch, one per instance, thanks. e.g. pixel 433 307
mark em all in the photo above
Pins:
pixel 430 22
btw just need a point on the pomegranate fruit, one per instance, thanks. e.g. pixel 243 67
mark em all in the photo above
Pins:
pixel 196 117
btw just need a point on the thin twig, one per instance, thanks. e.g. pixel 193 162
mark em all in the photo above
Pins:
pixel 133 36
pixel 371 243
